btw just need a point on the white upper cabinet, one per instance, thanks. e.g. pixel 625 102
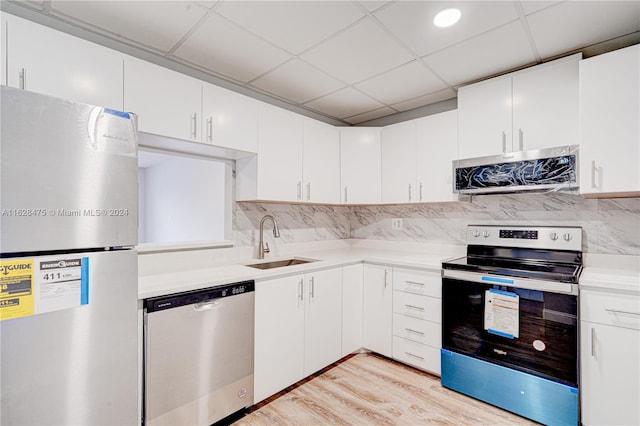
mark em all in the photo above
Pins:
pixel 360 176
pixel 3 48
pixel 530 109
pixel 398 155
pixel 321 163
pixel 167 103
pixel 229 119
pixel 437 148
pixel 610 124
pixel 53 63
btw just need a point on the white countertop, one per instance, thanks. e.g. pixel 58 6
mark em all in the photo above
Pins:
pixel 177 272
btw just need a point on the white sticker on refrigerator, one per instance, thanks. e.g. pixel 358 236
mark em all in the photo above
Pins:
pixel 501 313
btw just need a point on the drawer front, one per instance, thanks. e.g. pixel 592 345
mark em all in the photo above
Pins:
pixel 425 283
pixel 417 355
pixel 417 330
pixel 416 306
pixel 621 310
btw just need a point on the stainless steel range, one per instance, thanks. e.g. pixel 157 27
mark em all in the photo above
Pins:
pixel 509 321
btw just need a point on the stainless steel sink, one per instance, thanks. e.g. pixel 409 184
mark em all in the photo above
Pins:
pixel 280 263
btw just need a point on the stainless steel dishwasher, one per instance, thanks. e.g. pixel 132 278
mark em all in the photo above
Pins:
pixel 198 355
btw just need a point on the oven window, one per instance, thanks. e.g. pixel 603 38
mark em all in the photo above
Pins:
pixel 546 345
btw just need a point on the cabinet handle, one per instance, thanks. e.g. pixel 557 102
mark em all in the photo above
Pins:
pixel 386 273
pixel 593 342
pixel 309 191
pixel 300 294
pixel 415 356
pixel 415 307
pixel 23 78
pixel 345 194
pixel 194 125
pixel 299 190
pixel 521 139
pixel 409 192
pixel 414 283
pixel 410 330
pixel 420 188
pixel 312 289
pixel 594 170
pixel 210 129
pixel 504 142
pixel 616 311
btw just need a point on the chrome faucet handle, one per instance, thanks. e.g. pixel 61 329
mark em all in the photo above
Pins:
pixel 266 248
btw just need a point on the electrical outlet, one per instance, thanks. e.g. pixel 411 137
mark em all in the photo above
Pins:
pixel 396 224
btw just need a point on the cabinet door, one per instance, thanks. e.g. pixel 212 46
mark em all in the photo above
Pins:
pixel 377 309
pixel 322 319
pixel 229 119
pixel 360 165
pixel 610 369
pixel 167 103
pixel 546 106
pixel 279 154
pixel 398 157
pixel 56 64
pixel 352 280
pixel 610 127
pixel 484 118
pixel 279 335
pixel 3 48
pixel 321 162
pixel 437 148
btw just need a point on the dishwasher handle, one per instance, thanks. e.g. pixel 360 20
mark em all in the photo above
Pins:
pixel 205 306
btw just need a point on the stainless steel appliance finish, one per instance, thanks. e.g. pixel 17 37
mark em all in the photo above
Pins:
pixel 550 169
pixel 199 355
pixel 63 164
pixel 68 174
pixel 509 323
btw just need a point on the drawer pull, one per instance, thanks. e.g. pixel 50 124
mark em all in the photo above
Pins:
pixel 616 311
pixel 593 342
pixel 410 330
pixel 415 307
pixel 415 356
pixel 414 283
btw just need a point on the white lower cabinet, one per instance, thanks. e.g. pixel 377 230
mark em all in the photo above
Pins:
pixel 610 358
pixel 352 286
pixel 298 322
pixel 417 317
pixel 376 311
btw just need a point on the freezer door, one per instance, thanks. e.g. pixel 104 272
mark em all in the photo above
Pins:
pixel 68 175
pixel 77 366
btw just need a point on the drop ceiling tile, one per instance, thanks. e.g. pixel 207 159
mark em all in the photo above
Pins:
pixel 420 101
pixel 371 115
pixel 293 25
pixel 536 5
pixel 405 82
pixel 576 24
pixel 491 53
pixel 223 47
pixel 297 81
pixel 344 103
pixel 156 24
pixel 412 22
pixel 362 51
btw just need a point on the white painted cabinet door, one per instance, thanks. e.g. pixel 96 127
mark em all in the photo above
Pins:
pixel 398 158
pixel 610 371
pixel 484 118
pixel 167 103
pixel 279 335
pixel 3 48
pixel 610 123
pixel 53 63
pixel 229 119
pixel 546 106
pixel 437 148
pixel 322 319
pixel 352 281
pixel 280 135
pixel 377 329
pixel 321 162
pixel 360 175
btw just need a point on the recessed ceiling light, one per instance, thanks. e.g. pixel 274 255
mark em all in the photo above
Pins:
pixel 447 17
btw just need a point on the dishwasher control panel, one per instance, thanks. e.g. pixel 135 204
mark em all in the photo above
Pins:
pixel 161 303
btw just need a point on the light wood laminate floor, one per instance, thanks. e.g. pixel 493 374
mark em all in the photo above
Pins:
pixel 370 390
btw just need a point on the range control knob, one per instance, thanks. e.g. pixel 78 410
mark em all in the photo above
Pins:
pixel 553 236
pixel 486 234
pixel 567 237
pixel 476 233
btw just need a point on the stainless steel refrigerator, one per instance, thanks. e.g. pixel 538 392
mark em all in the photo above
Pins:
pixel 68 267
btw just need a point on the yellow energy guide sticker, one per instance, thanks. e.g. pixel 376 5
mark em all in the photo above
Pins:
pixel 16 288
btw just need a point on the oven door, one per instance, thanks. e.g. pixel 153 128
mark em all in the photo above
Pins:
pixel 510 322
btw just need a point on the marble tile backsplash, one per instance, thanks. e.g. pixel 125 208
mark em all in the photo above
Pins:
pixel 611 226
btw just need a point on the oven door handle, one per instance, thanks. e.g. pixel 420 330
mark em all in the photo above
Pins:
pixel 489 279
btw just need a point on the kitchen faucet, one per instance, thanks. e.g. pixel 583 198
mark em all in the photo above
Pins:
pixel 262 246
